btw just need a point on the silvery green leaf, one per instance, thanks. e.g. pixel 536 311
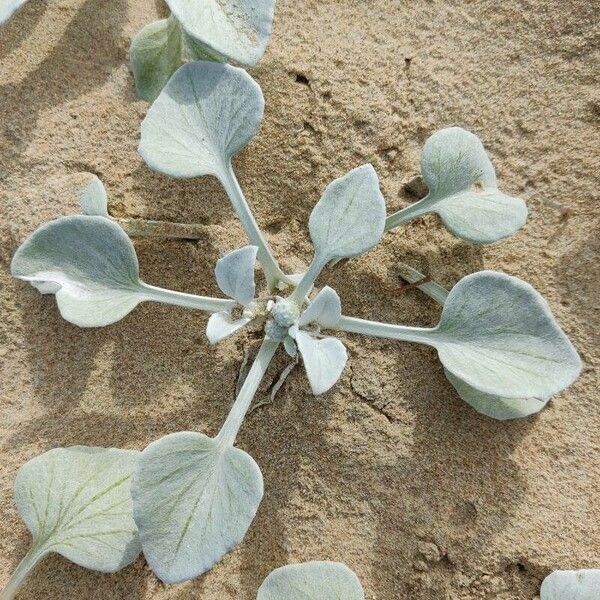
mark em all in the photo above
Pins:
pixel 572 585
pixel 496 407
pixel 89 262
pixel 235 274
pixel 312 581
pixel 221 325
pixel 155 54
pixel 76 502
pixel 8 8
pixel 324 360
pixel 498 335
pixel 349 219
pixel 236 29
pixel 93 199
pixel 463 190
pixel 325 309
pixel 205 115
pixel 194 499
pixel 290 347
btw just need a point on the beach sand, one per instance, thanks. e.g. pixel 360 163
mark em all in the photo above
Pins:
pixel 390 472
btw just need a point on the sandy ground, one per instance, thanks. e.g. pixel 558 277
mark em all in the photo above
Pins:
pixel 391 472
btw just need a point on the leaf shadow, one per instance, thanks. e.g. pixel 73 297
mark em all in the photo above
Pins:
pixel 94 31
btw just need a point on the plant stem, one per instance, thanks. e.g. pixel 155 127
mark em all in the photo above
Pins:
pixel 272 271
pixel 24 568
pixel 405 215
pixel 421 335
pixel 229 431
pixel 432 289
pixel 205 303
pixel 308 280
pixel 164 229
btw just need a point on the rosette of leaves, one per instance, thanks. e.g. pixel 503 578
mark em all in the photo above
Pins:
pixel 217 30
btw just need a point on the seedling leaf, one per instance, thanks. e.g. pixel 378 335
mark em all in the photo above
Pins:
pixel 205 115
pixel 221 325
pixel 93 199
pixel 237 29
pixel 324 360
pixel 350 217
pixel 463 190
pixel 325 309
pixel 8 8
pixel 498 335
pixel 496 407
pixel 76 502
pixel 194 499
pixel 571 585
pixel 235 274
pixel 312 581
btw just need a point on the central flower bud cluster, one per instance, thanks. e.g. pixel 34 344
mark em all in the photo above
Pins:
pixel 284 313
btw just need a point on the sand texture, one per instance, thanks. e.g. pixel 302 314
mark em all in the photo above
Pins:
pixel 390 472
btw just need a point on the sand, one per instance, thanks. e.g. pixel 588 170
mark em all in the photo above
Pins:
pixel 391 472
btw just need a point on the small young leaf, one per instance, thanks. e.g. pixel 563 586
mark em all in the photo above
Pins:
pixel 76 502
pixel 463 190
pixel 312 581
pixel 236 29
pixel 496 407
pixel 89 262
pixel 325 309
pixel 350 217
pixel 205 115
pixel 221 325
pixel 498 335
pixel 235 274
pixel 8 8
pixel 93 199
pixel 324 360
pixel 572 585
pixel 194 499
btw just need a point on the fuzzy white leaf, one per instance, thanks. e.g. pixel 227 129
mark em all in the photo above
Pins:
pixel 8 8
pixel 324 360
pixel 89 261
pixel 572 585
pixel 325 309
pixel 463 189
pixel 76 502
pixel 221 325
pixel 496 407
pixel 235 274
pixel 350 217
pixel 312 581
pixel 498 335
pixel 194 499
pixel 93 199
pixel 236 29
pixel 205 115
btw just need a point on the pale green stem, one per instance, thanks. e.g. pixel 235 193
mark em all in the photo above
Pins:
pixel 271 268
pixel 229 431
pixel 421 335
pixel 308 280
pixel 432 289
pixel 160 229
pixel 31 559
pixel 205 303
pixel 405 215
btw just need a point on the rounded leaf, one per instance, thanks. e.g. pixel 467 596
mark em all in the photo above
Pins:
pixel 235 274
pixel 498 335
pixel 572 585
pixel 350 217
pixel 325 309
pixel 205 115
pixel 88 262
pixel 312 581
pixel 93 199
pixel 496 407
pixel 193 502
pixel 76 502
pixel 236 29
